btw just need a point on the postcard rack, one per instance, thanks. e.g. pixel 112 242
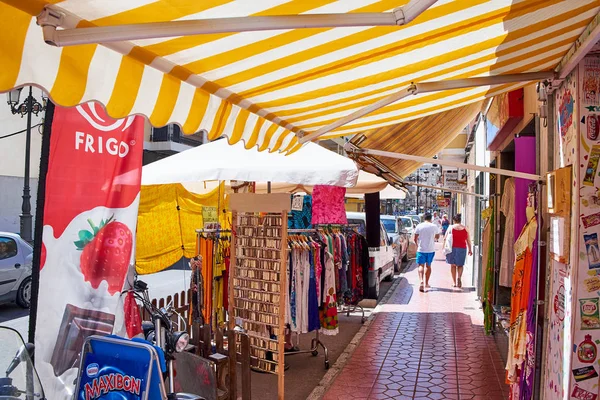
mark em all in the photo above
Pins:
pixel 258 277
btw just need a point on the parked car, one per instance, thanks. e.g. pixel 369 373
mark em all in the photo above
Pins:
pixel 415 218
pixel 381 258
pixel 400 241
pixel 15 269
pixel 407 227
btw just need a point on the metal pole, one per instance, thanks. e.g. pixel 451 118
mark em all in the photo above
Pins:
pixel 418 193
pixel 26 231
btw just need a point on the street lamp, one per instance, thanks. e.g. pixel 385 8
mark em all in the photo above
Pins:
pixel 28 107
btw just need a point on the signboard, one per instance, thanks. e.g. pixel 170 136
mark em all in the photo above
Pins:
pixel 105 377
pixel 504 115
pixel 453 179
pixel 90 216
pixel 443 203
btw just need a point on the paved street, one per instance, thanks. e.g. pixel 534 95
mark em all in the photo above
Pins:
pixel 424 346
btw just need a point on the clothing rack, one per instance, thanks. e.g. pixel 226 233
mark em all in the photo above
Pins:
pixel 316 341
pixel 346 308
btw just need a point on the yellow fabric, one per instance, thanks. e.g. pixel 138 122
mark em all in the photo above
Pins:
pixel 158 236
pixel 264 87
pixel 164 233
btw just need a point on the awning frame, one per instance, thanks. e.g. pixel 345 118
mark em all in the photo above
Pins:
pixel 352 149
pixel 585 42
pixel 444 189
pixel 52 18
pixel 426 87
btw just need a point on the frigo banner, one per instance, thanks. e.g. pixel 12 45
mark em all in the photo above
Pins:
pixel 90 214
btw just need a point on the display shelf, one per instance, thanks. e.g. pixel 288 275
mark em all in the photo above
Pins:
pixel 258 243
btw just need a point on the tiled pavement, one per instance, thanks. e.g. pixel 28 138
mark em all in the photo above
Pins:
pixel 424 346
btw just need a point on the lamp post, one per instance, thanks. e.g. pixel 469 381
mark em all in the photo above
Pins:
pixel 28 107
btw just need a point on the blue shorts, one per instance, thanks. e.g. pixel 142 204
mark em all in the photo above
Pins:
pixel 425 258
pixel 457 257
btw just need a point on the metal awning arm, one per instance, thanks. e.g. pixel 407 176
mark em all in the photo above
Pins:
pixel 455 164
pixel 583 44
pixel 446 189
pixel 50 19
pixel 427 87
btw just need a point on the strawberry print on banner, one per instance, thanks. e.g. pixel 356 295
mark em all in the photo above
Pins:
pixel 90 216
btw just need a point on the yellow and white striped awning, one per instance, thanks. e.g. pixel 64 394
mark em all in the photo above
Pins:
pixel 262 87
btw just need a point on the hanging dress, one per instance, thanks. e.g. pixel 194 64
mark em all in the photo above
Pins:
pixel 507 258
pixel 314 322
pixel 517 336
pixel 329 317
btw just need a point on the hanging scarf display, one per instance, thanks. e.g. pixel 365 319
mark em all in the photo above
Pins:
pixel 328 205
pixel 488 263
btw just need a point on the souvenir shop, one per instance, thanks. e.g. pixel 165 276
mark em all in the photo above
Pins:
pixel 573 333
pixel 508 253
pixel 540 251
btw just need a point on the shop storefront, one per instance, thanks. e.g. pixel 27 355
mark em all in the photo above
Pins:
pixel 571 356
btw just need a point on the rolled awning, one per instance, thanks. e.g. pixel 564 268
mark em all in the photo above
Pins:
pixel 424 137
pixel 265 86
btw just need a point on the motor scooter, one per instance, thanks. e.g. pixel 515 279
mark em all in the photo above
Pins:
pixel 161 330
pixel 21 380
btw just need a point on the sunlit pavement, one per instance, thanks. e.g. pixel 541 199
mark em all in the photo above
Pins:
pixel 425 346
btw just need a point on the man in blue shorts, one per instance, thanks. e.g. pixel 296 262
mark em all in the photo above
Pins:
pixel 426 233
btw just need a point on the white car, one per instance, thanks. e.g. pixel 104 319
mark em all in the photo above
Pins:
pixel 16 257
pixel 381 258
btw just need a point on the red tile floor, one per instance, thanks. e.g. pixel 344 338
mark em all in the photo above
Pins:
pixel 425 346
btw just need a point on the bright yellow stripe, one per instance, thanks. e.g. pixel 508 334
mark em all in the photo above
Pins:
pixel 267 139
pixel 292 143
pixel 220 60
pixel 398 107
pixel 280 141
pixel 159 11
pixel 31 7
pixel 361 127
pixel 486 69
pixel 371 55
pixel 72 75
pixel 13 32
pixel 407 45
pixel 441 59
pixel 295 149
pixel 126 88
pixel 251 142
pixel 240 124
pixel 167 97
pixel 220 120
pixel 197 111
pixel 184 43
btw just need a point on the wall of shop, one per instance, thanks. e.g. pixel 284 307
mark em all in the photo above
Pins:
pixel 572 362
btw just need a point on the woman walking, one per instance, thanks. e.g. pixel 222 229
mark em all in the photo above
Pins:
pixel 456 243
pixel 445 224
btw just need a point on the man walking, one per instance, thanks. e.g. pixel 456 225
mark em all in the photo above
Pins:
pixel 426 233
pixel 437 221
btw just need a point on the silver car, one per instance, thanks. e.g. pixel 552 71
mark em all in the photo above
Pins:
pixel 15 270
